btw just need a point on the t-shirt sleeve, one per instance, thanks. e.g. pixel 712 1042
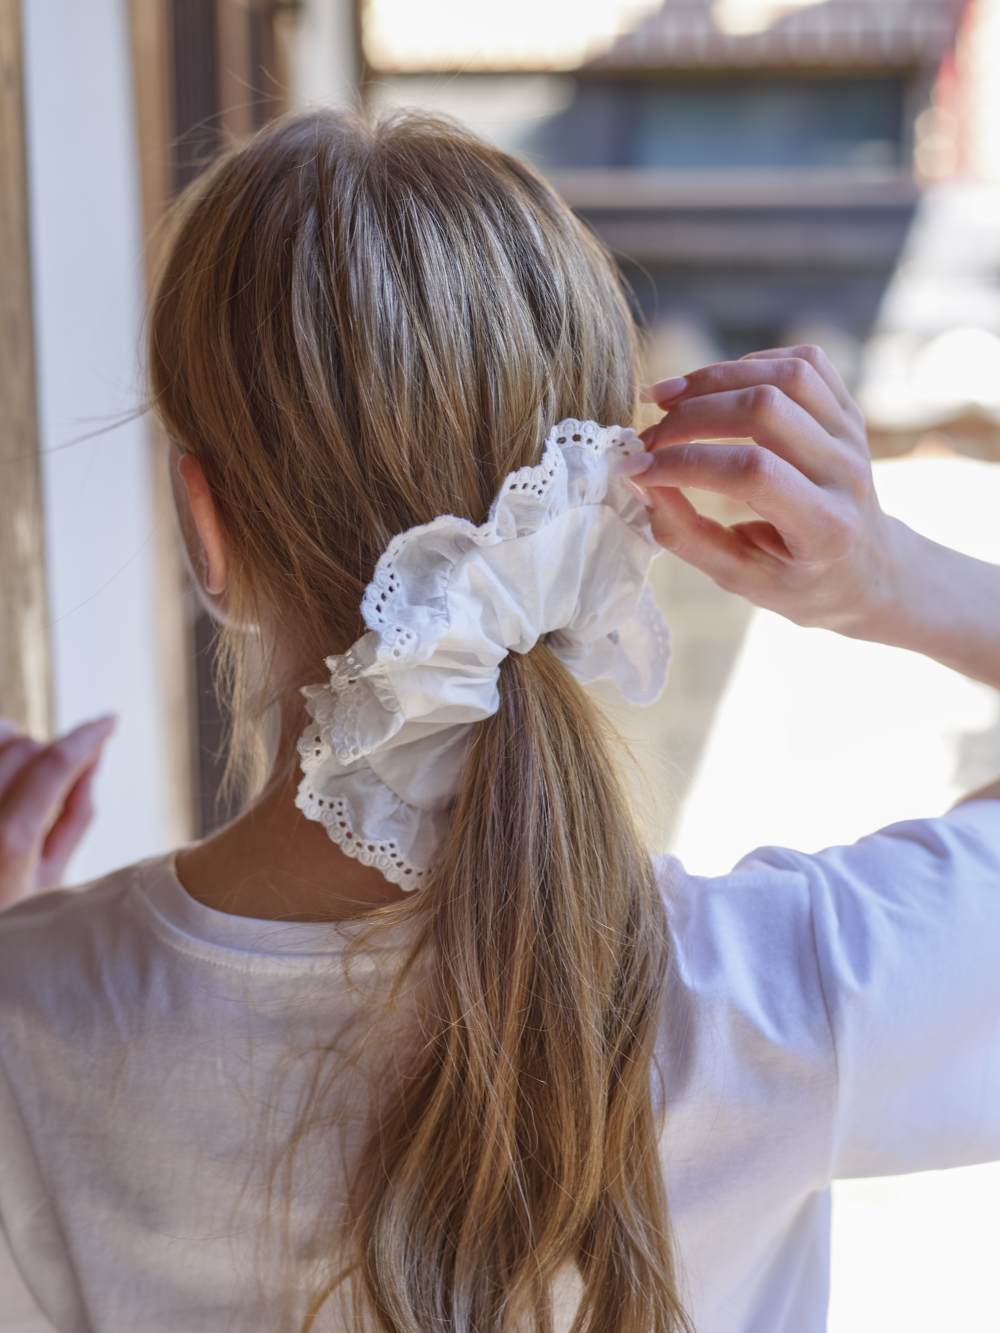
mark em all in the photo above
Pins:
pixel 907 935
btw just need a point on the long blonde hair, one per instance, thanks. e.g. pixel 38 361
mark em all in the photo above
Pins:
pixel 360 326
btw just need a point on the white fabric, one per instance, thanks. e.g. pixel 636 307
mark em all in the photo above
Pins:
pixel 832 1015
pixel 565 553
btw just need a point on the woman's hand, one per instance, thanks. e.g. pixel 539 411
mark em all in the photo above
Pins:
pixel 822 552
pixel 45 804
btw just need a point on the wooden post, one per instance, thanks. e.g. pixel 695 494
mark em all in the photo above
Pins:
pixel 207 72
pixel 25 681
pixel 251 73
pixel 151 31
pixel 363 72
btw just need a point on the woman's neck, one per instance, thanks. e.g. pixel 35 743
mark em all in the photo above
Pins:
pixel 273 863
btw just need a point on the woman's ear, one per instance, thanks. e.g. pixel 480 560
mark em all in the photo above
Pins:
pixel 213 565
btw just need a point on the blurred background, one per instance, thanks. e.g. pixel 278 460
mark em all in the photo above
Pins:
pixel 765 172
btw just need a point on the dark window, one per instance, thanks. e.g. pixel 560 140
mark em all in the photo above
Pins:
pixel 196 87
pixel 736 122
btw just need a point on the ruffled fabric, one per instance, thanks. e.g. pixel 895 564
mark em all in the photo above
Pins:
pixel 564 554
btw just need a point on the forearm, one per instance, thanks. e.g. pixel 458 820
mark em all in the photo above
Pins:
pixel 939 603
pixel 948 609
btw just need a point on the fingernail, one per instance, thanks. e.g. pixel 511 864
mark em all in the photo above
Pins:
pixel 631 465
pixel 664 391
pixel 107 723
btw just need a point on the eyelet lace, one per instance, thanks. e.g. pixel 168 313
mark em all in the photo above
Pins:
pixel 410 610
pixel 342 823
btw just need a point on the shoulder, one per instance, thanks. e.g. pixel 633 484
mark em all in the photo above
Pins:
pixel 906 925
pixel 947 850
pixel 745 1044
pixel 60 944
pixel 807 984
pixel 784 920
pixel 910 904
pixel 43 909
pixel 744 950
pixel 61 910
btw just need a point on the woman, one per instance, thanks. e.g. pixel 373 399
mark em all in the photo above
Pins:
pixel 264 1083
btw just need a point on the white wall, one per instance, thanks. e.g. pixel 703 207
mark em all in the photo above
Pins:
pixel 87 272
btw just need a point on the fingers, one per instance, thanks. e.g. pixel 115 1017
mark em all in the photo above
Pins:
pixel 14 754
pixel 822 543
pixel 793 376
pixel 821 363
pixel 35 794
pixel 803 372
pixel 761 413
pixel 8 730
pixel 741 559
pixel 665 391
pixel 700 541
pixel 805 515
pixel 70 826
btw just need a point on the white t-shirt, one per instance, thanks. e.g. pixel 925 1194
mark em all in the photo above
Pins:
pixel 832 1015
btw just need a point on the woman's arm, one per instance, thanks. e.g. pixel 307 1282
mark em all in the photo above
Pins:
pixel 45 804
pixel 823 553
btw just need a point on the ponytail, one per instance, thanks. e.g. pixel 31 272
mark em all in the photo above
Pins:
pixel 523 1138
pixel 361 326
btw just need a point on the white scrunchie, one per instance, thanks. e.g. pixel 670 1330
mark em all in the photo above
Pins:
pixel 565 553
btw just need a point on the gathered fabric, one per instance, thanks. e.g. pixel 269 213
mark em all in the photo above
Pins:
pixel 564 555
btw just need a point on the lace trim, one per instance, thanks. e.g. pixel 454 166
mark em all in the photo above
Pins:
pixel 334 813
pixel 520 495
pixel 521 507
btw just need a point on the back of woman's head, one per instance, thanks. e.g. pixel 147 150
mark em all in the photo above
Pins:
pixel 360 327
